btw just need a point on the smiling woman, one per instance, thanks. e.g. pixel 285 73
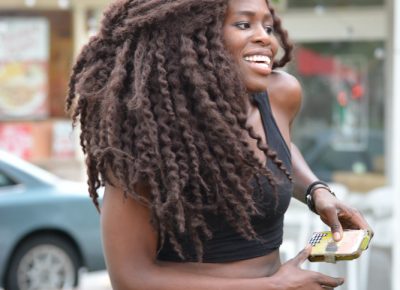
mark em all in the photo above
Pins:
pixel 188 127
pixel 254 58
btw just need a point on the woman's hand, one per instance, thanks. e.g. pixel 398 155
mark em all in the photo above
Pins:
pixel 333 212
pixel 290 276
pixel 337 215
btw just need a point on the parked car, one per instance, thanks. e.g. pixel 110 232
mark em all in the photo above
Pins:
pixel 49 229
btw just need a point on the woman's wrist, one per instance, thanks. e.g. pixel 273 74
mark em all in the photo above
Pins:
pixel 320 192
pixel 314 191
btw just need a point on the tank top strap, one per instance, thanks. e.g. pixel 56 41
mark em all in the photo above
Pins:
pixel 264 106
pixel 272 132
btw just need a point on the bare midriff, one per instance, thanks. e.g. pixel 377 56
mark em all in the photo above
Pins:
pixel 252 268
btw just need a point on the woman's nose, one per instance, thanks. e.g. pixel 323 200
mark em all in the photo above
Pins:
pixel 261 35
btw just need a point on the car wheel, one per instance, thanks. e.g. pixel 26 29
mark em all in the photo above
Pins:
pixel 43 263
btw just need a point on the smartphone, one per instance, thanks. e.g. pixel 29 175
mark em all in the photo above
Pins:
pixel 325 249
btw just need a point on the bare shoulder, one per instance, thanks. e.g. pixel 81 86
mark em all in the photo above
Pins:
pixel 284 87
pixel 285 93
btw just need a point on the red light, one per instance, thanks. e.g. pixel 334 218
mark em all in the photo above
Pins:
pixel 357 92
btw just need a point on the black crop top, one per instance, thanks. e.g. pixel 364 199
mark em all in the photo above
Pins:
pixel 226 244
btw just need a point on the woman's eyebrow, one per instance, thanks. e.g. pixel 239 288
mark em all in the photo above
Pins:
pixel 249 13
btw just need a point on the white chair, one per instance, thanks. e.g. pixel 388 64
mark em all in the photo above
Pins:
pixel 378 210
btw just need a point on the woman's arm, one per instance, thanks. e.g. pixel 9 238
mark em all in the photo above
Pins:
pixel 286 101
pixel 302 174
pixel 130 245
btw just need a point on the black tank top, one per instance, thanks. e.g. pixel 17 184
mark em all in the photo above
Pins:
pixel 226 244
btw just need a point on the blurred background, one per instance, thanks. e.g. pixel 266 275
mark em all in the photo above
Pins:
pixel 344 59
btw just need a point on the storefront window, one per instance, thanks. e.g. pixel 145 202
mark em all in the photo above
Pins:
pixel 333 3
pixel 340 129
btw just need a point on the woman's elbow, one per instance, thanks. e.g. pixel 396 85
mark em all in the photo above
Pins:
pixel 131 278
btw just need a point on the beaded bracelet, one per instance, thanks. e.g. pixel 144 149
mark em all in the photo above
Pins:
pixel 309 193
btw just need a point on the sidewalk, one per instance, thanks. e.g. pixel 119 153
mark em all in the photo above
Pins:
pixel 95 281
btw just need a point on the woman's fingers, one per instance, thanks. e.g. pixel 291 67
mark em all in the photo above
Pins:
pixel 330 282
pixel 352 218
pixel 325 281
pixel 302 256
pixel 331 218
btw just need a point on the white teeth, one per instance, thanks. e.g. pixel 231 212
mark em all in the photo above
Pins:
pixel 258 58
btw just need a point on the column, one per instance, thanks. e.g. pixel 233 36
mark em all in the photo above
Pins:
pixel 80 34
pixel 394 140
pixel 80 38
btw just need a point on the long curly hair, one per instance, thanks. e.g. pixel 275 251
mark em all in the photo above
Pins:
pixel 159 101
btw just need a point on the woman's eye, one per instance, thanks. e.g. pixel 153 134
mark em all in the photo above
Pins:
pixel 242 25
pixel 269 29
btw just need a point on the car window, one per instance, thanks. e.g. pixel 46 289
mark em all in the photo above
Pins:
pixel 5 180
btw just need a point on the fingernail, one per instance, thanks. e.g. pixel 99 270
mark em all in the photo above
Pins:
pixel 336 236
pixel 339 282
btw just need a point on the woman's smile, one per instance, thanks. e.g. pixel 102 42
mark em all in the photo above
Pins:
pixel 261 64
pixel 249 37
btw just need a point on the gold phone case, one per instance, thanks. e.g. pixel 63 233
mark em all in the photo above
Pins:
pixel 325 249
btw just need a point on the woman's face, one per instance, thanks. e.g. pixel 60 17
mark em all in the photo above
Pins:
pixel 249 37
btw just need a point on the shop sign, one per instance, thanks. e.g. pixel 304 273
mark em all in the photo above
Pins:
pixel 24 57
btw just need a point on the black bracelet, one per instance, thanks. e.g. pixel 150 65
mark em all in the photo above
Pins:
pixel 309 193
pixel 310 187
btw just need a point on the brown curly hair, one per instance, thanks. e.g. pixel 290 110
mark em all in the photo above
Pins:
pixel 159 102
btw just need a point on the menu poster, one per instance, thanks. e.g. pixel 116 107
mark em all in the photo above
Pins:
pixel 24 57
